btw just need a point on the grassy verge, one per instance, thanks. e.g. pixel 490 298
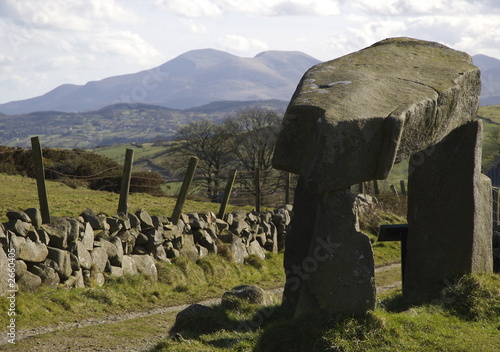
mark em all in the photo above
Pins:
pixel 181 282
pixel 464 317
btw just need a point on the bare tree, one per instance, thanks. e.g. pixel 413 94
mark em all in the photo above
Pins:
pixel 210 142
pixel 255 131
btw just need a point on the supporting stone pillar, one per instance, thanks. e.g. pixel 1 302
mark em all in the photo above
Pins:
pixel 297 242
pixel 449 212
pixel 338 272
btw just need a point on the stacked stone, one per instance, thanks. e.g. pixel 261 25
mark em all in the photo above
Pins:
pixel 83 251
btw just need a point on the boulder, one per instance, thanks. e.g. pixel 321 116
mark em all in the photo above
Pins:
pixel 192 315
pixel 29 282
pixel 87 237
pixel 145 219
pixel 33 251
pixel 47 274
pixel 19 227
pixel 58 230
pixel 146 265
pixel 62 259
pixel 21 268
pixel 255 249
pixel 238 250
pixel 99 257
pixel 249 293
pixel 83 256
pixel 128 265
pixel 352 118
pixel 18 215
pixel 4 269
pixel 35 216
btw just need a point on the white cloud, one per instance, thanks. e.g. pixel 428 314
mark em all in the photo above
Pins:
pixel 219 8
pixel 192 8
pixel 194 26
pixel 236 43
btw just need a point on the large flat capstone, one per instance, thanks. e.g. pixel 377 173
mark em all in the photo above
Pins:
pixel 352 118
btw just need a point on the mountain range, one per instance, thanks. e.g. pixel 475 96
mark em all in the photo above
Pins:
pixel 192 79
pixel 199 77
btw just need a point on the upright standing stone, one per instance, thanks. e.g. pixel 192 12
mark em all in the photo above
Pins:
pixel 449 211
pixel 339 275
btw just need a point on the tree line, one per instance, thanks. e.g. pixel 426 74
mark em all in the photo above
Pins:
pixel 243 141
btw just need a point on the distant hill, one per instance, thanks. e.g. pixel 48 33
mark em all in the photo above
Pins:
pixel 192 79
pixel 490 79
pixel 115 124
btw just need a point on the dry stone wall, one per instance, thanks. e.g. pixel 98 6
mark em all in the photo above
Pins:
pixel 83 251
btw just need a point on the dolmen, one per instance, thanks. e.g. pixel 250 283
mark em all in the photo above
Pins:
pixel 349 121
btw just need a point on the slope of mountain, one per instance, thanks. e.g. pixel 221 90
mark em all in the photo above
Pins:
pixel 490 79
pixel 192 79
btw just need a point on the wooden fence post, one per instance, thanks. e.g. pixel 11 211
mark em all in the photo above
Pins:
pixel 40 179
pixel 227 194
pixel 125 186
pixel 403 188
pixel 361 187
pixel 257 190
pixel 287 188
pixel 375 187
pixel 394 190
pixel 186 183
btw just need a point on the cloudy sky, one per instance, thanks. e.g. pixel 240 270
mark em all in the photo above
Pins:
pixel 46 43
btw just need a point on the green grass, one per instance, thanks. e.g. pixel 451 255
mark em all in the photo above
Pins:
pixel 180 282
pixel 465 317
pixel 19 193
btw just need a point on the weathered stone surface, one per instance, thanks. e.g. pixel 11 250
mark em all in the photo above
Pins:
pixel 35 216
pixel 188 248
pixel 4 269
pixel 250 293
pixel 33 251
pixel 62 260
pixel 18 215
pixel 146 265
pixel 113 249
pixel 87 237
pixel 58 230
pixel 46 273
pixel 298 242
pixel 83 255
pixel 19 227
pixel 145 219
pixel 339 272
pixel 128 265
pixel 351 118
pixel 29 282
pixel 99 257
pixel 21 268
pixel 255 248
pixel 116 271
pixel 76 280
pixel 238 249
pixel 192 315
pixel 449 211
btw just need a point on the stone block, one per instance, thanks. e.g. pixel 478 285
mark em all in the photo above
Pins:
pixel 449 211
pixel 62 260
pixel 352 118
pixel 339 272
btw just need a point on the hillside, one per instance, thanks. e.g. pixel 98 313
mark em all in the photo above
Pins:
pixel 192 79
pixel 119 123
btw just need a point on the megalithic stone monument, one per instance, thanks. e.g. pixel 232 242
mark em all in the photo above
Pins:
pixel 349 121
pixel 450 209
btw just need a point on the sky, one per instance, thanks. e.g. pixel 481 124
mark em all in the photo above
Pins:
pixel 46 43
